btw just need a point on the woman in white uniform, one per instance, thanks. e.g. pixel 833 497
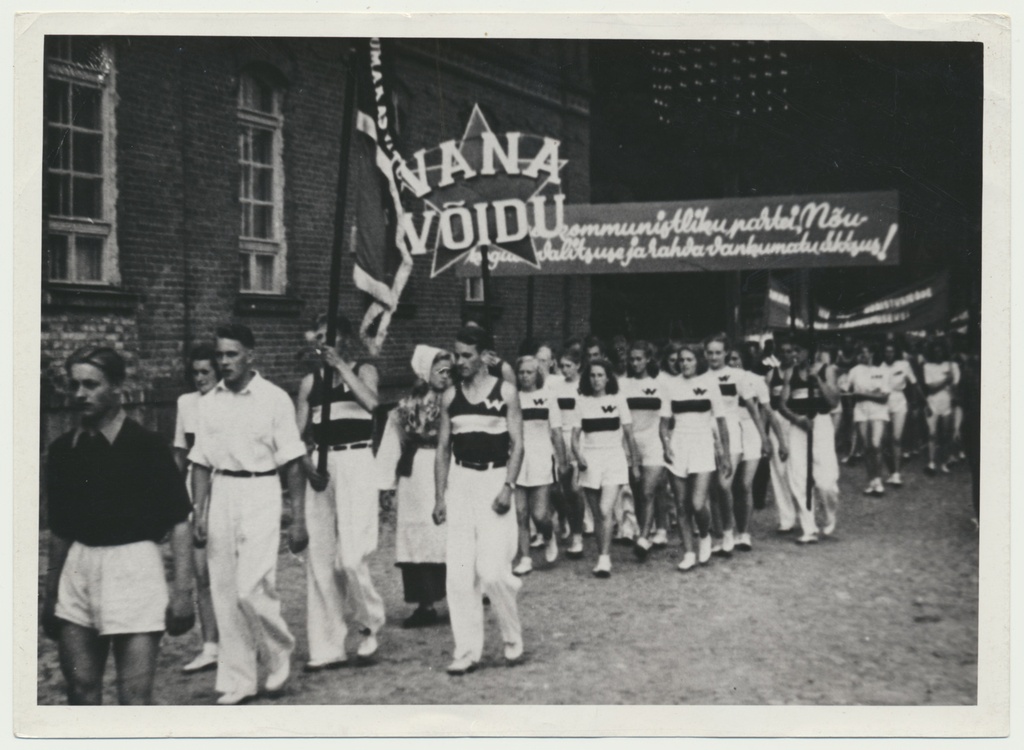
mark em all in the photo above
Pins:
pixel 643 391
pixel 692 427
pixel 900 374
pixel 543 459
pixel 202 370
pixel 602 433
pixel 565 389
pixel 753 392
pixel 405 462
pixel 940 378
pixel 869 385
pixel 728 380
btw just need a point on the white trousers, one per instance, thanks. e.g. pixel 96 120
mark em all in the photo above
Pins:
pixel 244 533
pixel 785 505
pixel 825 469
pixel 342 522
pixel 480 548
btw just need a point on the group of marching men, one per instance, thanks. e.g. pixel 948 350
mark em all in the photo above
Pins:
pixel 477 454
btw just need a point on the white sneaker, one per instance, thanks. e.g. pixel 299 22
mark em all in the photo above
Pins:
pixel 536 541
pixel 276 679
pixel 576 548
pixel 716 546
pixel 603 569
pixel 461 666
pixel 367 647
pixel 660 538
pixel 704 550
pixel 234 699
pixel 828 528
pixel 513 653
pixel 525 567
pixel 728 542
pixel 206 660
pixel 743 542
pixel 688 563
pixel 551 549
pixel 895 480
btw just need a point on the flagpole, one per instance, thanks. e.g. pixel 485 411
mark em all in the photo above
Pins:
pixel 334 288
pixel 808 305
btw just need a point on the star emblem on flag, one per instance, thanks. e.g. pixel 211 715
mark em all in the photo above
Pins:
pixel 468 193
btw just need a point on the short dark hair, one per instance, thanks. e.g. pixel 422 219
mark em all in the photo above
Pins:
pixel 719 337
pixel 201 353
pixel 342 325
pixel 650 352
pixel 475 336
pixel 591 341
pixel 613 382
pixel 237 332
pixel 103 358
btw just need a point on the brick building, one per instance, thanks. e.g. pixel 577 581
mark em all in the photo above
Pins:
pixel 189 181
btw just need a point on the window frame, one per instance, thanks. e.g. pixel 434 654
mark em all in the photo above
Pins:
pixel 251 247
pixel 104 79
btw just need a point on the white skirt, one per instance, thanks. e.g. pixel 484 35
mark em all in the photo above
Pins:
pixel 417 538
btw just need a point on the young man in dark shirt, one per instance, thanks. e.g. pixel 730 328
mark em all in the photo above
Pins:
pixel 113 493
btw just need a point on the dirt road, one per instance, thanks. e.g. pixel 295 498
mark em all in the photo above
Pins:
pixel 884 613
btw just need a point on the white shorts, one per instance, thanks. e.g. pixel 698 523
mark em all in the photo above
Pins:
pixel 605 467
pixel 897 403
pixel 652 452
pixel 692 453
pixel 940 403
pixel 750 446
pixel 870 411
pixel 114 590
pixel 538 468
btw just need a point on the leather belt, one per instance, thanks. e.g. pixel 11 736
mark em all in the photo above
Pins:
pixel 482 466
pixel 246 474
pixel 348 446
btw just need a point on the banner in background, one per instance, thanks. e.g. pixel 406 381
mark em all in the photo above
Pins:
pixel 729 234
pixel 921 306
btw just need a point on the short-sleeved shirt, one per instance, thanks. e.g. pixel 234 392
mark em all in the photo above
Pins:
pixel 729 380
pixel 644 397
pixel 185 421
pixel 541 415
pixel 935 372
pixel 869 378
pixel 566 394
pixel 252 430
pixel 752 386
pixel 694 403
pixel 900 373
pixel 102 493
pixel 600 420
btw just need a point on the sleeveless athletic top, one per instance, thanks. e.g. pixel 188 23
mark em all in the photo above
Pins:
pixel 349 421
pixel 480 431
pixel 805 396
pixel 775 386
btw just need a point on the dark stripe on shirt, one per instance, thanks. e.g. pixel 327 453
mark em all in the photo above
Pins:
pixel 692 405
pixel 565 404
pixel 535 413
pixel 639 403
pixel 728 389
pixel 602 424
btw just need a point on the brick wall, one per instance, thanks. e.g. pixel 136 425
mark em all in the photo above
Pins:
pixel 178 212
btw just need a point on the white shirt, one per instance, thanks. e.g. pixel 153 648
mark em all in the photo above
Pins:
pixel 252 430
pixel 185 420
pixel 869 379
pixel 566 393
pixel 600 418
pixel 729 380
pixel 935 372
pixel 644 398
pixel 752 386
pixel 694 402
pixel 900 373
pixel 541 415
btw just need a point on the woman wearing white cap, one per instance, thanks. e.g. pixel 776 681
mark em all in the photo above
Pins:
pixel 406 458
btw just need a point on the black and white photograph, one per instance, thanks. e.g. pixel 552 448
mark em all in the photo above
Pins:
pixel 476 378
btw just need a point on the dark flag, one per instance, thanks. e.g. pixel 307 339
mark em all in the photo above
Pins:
pixel 383 261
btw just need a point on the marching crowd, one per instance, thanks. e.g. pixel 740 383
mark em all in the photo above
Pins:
pixel 487 460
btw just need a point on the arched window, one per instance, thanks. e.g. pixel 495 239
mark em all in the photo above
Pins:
pixel 261 185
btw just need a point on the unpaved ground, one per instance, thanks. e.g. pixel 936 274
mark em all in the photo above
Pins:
pixel 886 613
